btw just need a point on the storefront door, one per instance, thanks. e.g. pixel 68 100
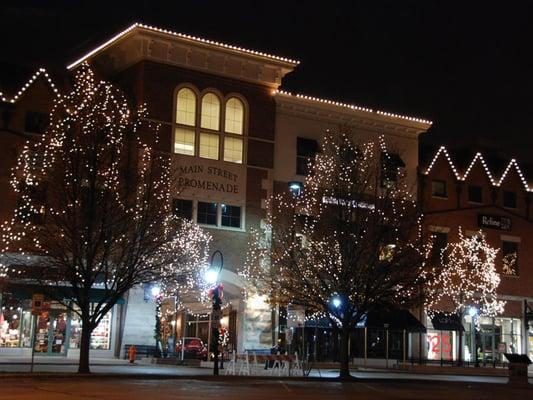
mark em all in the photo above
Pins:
pixel 51 333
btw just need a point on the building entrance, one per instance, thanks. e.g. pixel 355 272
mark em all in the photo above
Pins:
pixel 51 333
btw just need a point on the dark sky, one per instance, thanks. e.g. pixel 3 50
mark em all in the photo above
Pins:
pixel 465 65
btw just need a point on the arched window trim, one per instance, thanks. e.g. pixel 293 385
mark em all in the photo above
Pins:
pixel 228 97
pixel 222 120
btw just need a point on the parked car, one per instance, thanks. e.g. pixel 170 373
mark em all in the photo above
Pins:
pixel 194 348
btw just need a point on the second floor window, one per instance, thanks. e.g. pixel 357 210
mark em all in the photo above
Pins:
pixel 306 150
pixel 208 127
pixel 510 258
pixel 509 199
pixel 475 194
pixel 440 241
pixel 438 189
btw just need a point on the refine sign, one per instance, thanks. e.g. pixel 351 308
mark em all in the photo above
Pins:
pixel 494 222
pixel 210 180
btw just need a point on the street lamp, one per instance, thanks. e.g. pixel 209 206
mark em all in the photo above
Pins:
pixel 472 311
pixel 212 276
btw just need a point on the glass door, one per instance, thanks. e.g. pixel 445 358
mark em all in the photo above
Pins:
pixel 51 333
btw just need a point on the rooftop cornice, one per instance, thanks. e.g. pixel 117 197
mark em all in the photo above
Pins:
pixel 287 62
pixel 417 123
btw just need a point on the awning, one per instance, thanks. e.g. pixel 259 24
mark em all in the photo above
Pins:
pixel 393 320
pixel 444 322
pixel 397 320
pixel 24 291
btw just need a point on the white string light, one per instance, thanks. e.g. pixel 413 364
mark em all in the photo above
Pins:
pixel 350 106
pixel 35 76
pixel 478 157
pixel 139 26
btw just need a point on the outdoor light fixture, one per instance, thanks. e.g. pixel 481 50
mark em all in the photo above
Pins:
pixel 211 276
pixel 295 188
pixel 336 301
pixel 155 290
pixel 472 311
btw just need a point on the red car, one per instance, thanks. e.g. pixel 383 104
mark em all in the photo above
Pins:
pixel 194 348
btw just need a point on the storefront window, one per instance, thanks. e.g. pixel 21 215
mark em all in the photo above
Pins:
pixel 15 325
pixel 100 338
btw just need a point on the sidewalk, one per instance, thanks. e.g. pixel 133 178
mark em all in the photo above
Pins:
pixel 145 369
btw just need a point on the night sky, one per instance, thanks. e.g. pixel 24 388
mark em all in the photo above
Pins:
pixel 466 67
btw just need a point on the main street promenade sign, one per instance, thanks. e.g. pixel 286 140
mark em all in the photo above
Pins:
pixel 212 180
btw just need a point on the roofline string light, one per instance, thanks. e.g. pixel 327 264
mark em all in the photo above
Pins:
pixel 39 72
pixel 479 156
pixel 352 106
pixel 183 36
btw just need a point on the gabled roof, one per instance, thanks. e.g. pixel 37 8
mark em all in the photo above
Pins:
pixel 15 80
pixel 142 27
pixel 497 169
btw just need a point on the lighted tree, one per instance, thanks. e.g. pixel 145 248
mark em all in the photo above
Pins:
pixel 465 277
pixel 347 245
pixel 95 208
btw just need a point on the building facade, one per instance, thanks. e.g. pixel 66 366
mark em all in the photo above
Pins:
pixel 479 192
pixel 235 139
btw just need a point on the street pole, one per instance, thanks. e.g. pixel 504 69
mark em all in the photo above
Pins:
pixel 216 312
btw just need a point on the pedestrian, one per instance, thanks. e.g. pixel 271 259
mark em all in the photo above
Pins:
pixel 132 352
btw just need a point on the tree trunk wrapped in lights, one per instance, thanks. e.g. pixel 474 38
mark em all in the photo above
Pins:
pixel 95 208
pixel 348 244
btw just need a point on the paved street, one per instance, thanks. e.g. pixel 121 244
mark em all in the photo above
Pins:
pixel 244 389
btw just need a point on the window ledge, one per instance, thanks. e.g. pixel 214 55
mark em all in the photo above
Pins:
pixel 222 228
pixel 439 197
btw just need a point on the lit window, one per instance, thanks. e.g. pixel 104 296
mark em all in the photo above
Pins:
pixel 209 145
pixel 210 112
pixel 186 107
pixel 231 216
pixel 233 150
pixel 184 141
pixel 510 258
pixel 207 213
pixel 234 116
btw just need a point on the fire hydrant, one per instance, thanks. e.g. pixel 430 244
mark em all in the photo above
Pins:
pixel 132 352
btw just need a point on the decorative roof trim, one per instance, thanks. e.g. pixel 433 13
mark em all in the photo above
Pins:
pixel 352 107
pixel 479 157
pixel 39 72
pixel 182 36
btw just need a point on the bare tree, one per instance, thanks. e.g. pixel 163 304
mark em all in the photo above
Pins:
pixel 95 208
pixel 347 244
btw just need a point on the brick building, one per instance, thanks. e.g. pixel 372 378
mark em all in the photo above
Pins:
pixel 483 191
pixel 234 139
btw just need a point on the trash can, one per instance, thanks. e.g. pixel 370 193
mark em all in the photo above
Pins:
pixel 518 364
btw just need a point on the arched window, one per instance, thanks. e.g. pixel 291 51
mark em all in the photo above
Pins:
pixel 210 116
pixel 184 137
pixel 234 116
pixel 204 136
pixel 186 107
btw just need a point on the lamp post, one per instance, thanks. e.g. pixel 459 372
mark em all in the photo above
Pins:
pixel 472 311
pixel 212 277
